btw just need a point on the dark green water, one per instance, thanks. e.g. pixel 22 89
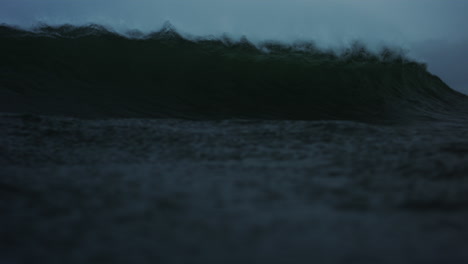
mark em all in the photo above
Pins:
pixel 159 149
pixel 91 72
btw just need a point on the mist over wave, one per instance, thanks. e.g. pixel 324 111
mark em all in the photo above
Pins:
pixel 90 71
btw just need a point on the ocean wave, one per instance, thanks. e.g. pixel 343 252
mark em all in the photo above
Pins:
pixel 93 72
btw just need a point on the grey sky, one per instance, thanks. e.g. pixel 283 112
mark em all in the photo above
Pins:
pixel 432 30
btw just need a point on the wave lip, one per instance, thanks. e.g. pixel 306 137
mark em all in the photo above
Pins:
pixel 92 72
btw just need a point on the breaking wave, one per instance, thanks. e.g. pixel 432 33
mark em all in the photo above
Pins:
pixel 92 72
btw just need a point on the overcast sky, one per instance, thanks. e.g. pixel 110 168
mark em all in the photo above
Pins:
pixel 434 31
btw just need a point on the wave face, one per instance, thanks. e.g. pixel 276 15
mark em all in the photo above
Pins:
pixel 92 72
